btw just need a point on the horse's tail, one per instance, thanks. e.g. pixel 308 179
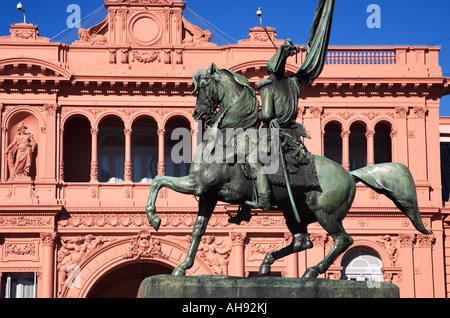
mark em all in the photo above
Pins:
pixel 395 181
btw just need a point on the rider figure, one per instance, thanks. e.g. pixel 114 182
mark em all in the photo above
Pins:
pixel 279 95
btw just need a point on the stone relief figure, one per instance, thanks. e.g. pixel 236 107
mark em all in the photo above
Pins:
pixel 72 253
pixel 389 244
pixel 20 153
pixel 194 36
pixel 215 254
pixel 85 37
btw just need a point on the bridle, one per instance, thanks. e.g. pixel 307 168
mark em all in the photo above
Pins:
pixel 209 98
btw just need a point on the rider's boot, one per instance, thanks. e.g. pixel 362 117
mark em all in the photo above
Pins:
pixel 262 186
pixel 262 202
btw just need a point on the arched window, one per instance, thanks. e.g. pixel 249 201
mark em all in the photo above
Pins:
pixel 362 264
pixel 77 150
pixel 177 147
pixel 382 143
pixel 144 149
pixel 111 150
pixel 332 142
pixel 357 146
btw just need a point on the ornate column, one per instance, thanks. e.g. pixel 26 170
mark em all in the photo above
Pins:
pixel 394 146
pixel 128 165
pixel 2 147
pixel 292 260
pixel 61 156
pixel 424 269
pixel 407 262
pixel 237 253
pixel 401 150
pixel 4 174
pixel 345 134
pixel 370 147
pixel 314 128
pixel 48 270
pixel 161 164
pixel 421 143
pixel 94 157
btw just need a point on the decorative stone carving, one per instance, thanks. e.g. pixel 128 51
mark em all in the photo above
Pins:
pixel 144 246
pixel 146 56
pixel 194 36
pixel 146 1
pixel 124 56
pixel 389 245
pixel 26 221
pixel 215 254
pixel 420 112
pixel 406 240
pixel 91 38
pixel 112 56
pixel 20 249
pixel 48 238
pixel 20 153
pixel 259 34
pixel 72 253
pixel 315 111
pixel 259 250
pixel 401 112
pixel 425 240
pixel 238 238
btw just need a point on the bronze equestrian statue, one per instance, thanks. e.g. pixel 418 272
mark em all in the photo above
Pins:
pixel 329 196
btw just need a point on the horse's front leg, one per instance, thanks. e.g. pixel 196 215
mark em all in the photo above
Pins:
pixel 206 208
pixel 183 185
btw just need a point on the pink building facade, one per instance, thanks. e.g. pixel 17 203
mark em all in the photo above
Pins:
pixel 85 127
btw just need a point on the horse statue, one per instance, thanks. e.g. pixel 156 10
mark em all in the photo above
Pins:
pixel 231 181
pixel 222 181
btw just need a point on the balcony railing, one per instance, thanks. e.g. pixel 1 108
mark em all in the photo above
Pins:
pixel 361 56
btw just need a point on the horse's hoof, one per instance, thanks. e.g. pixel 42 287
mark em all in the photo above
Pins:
pixel 310 273
pixel 178 272
pixel 264 269
pixel 155 221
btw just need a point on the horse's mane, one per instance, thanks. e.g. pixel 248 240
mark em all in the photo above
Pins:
pixel 243 113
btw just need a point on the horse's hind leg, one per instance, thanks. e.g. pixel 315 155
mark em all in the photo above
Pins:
pixel 342 241
pixel 206 208
pixel 183 185
pixel 300 242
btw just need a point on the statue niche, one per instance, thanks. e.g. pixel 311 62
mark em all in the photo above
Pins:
pixel 20 154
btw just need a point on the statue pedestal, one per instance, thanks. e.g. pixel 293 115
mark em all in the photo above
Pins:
pixel 205 286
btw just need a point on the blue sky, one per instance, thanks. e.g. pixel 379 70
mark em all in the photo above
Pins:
pixel 413 22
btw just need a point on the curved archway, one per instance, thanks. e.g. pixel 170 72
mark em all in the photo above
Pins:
pixel 118 253
pixel 144 149
pixel 43 68
pixel 358 145
pixel 332 141
pixel 178 146
pixel 111 149
pixel 383 142
pixel 362 264
pixel 77 149
pixel 124 280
